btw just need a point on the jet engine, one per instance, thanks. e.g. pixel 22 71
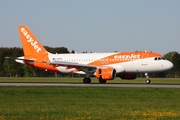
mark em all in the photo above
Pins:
pixel 106 73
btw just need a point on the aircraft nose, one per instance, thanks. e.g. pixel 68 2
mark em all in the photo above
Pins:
pixel 169 65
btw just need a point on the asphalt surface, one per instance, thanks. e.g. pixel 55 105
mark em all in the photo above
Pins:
pixel 93 85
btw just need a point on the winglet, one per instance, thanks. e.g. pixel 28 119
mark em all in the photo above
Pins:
pixel 30 44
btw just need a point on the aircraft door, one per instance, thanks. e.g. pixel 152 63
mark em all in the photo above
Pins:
pixel 144 60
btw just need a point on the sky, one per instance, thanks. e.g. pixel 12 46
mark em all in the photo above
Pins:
pixel 94 25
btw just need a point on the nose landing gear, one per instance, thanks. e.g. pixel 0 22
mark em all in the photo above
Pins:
pixel 148 81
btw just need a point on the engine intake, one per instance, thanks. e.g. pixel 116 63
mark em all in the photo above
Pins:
pixel 106 73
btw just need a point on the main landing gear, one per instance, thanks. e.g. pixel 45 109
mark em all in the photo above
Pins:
pixel 102 81
pixel 88 80
pixel 148 81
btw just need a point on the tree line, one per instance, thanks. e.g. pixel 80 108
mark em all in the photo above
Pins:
pixel 10 68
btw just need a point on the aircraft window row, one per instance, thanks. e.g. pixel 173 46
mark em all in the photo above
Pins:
pixel 91 60
pixel 159 58
pixel 78 60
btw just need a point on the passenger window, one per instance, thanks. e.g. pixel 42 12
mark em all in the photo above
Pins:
pixel 155 58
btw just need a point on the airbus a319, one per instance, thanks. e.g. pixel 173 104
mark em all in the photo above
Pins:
pixel 104 66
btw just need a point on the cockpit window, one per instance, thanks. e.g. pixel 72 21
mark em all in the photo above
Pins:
pixel 159 58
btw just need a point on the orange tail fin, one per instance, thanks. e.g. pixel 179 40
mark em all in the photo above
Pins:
pixel 30 44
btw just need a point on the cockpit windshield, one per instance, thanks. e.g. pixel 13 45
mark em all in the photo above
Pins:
pixel 159 58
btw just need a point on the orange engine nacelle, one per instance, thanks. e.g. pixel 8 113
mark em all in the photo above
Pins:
pixel 105 73
pixel 128 76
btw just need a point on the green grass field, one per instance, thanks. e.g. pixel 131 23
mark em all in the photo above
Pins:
pixel 81 103
pixel 94 80
pixel 88 103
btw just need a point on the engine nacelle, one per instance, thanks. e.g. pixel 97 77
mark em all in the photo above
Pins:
pixel 106 73
pixel 128 76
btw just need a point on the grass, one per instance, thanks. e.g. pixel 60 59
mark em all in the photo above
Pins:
pixel 94 80
pixel 89 103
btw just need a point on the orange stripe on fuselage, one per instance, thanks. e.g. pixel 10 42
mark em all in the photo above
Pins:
pixel 124 57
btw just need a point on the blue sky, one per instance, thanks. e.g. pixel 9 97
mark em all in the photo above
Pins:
pixel 94 25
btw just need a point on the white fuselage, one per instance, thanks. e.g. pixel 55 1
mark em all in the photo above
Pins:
pixel 131 65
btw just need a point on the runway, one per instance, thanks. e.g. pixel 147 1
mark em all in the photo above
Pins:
pixel 93 85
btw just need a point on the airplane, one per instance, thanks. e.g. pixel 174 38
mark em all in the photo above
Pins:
pixel 104 66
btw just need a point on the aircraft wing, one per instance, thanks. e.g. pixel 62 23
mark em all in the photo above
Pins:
pixel 71 65
pixel 61 63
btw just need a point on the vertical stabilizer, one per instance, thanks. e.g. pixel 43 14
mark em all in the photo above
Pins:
pixel 30 44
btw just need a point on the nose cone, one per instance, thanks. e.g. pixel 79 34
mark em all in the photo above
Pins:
pixel 169 65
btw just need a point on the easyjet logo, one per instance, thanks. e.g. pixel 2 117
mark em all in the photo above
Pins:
pixel 33 43
pixel 131 56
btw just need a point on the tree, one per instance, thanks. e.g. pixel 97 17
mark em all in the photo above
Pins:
pixel 56 49
pixel 8 67
pixel 73 51
pixel 174 57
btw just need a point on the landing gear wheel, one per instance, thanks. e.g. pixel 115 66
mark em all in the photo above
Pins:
pixel 102 81
pixel 148 81
pixel 87 80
